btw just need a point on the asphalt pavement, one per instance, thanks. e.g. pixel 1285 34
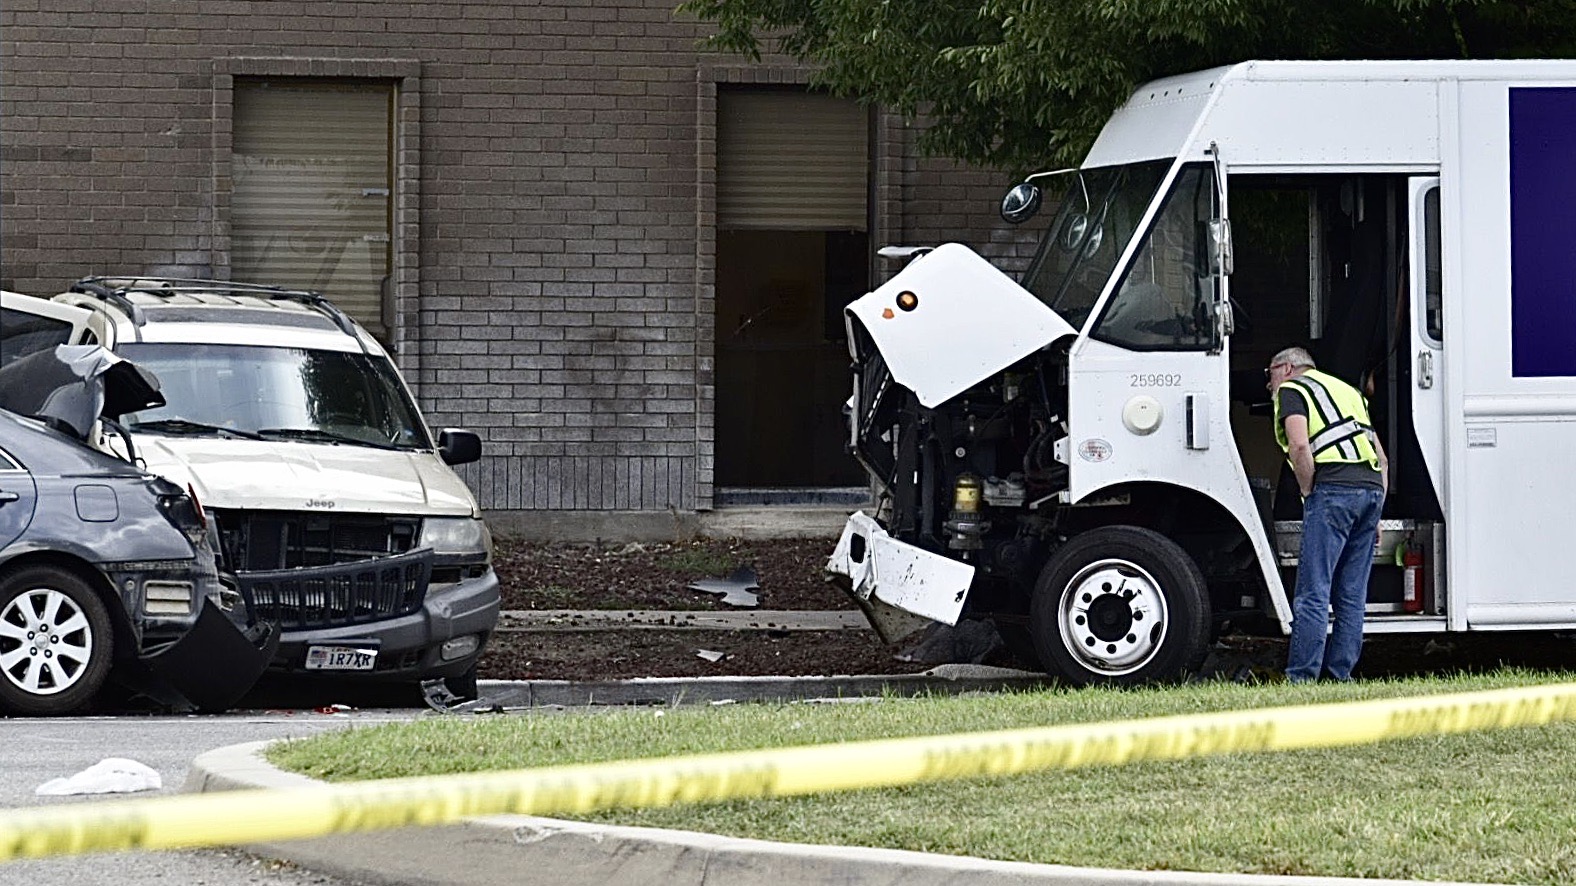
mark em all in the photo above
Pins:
pixel 36 751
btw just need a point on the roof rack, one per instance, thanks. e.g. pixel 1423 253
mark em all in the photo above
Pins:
pixel 93 286
pixel 162 286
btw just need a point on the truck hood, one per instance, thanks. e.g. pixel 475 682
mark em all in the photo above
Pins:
pixel 297 476
pixel 968 321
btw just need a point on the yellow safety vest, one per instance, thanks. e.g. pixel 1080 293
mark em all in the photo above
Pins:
pixel 1338 425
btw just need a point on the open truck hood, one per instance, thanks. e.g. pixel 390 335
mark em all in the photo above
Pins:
pixel 968 322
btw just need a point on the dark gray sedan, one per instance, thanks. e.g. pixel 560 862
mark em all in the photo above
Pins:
pixel 107 571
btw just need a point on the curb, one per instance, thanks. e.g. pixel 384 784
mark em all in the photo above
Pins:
pixel 498 849
pixel 940 680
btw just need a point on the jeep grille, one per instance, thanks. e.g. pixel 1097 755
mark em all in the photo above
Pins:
pixel 331 596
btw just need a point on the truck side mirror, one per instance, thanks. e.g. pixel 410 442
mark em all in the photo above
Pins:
pixel 1218 242
pixel 1021 203
pixel 457 447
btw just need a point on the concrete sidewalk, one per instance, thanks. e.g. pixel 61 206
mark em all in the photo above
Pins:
pixel 510 850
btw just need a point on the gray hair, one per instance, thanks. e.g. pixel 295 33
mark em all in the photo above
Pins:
pixel 1295 358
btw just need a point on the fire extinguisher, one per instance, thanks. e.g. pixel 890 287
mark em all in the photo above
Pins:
pixel 1412 579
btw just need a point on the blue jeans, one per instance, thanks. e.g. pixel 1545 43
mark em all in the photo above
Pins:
pixel 1339 525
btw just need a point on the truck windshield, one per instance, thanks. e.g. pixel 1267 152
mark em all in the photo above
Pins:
pixel 277 393
pixel 1084 240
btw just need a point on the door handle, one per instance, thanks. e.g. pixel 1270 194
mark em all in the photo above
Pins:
pixel 6 497
pixel 1425 369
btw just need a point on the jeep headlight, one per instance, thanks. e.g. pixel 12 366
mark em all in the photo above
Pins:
pixel 456 536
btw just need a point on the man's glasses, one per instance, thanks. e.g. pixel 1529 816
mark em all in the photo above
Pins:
pixel 1270 370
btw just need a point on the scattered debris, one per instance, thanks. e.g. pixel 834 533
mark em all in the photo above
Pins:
pixel 334 709
pixel 112 775
pixel 971 642
pixel 735 589
pixel 711 655
pixel 441 699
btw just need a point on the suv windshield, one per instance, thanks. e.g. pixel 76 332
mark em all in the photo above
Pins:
pixel 1086 238
pixel 282 393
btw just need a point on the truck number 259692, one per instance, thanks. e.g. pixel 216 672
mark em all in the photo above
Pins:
pixel 1155 380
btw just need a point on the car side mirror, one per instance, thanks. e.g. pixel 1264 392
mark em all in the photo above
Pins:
pixel 1021 203
pixel 457 447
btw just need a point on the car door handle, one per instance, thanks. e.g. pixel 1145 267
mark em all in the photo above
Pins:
pixel 1425 369
pixel 9 497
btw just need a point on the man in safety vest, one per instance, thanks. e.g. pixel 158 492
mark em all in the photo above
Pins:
pixel 1322 425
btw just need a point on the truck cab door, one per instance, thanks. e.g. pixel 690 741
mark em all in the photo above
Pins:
pixel 1427 327
pixel 29 325
pixel 1149 379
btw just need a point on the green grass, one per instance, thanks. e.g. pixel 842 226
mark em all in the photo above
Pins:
pixel 1490 806
pixel 700 562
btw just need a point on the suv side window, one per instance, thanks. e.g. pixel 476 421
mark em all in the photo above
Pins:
pixel 22 334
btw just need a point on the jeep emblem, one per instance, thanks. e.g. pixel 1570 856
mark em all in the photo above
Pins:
pixel 323 503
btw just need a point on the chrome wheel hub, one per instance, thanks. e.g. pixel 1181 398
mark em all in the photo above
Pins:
pixel 1112 617
pixel 45 642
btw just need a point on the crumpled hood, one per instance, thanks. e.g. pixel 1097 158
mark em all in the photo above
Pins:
pixel 295 476
pixel 970 321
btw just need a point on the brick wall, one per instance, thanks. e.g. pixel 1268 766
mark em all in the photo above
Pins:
pixel 553 230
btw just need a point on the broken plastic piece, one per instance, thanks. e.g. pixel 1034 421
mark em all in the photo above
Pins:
pixel 710 655
pixel 441 699
pixel 111 775
pixel 735 588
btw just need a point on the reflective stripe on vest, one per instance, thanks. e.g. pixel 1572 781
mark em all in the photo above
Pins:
pixel 1334 434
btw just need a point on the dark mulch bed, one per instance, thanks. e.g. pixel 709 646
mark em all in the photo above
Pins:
pixel 789 573
pixel 657 576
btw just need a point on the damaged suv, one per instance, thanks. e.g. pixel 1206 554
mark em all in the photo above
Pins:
pixel 106 571
pixel 335 507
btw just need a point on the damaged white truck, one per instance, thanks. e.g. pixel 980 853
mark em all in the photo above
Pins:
pixel 1085 457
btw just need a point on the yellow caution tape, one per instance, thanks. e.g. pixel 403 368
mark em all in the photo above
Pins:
pixel 238 817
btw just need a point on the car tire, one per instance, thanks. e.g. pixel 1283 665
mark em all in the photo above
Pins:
pixel 1120 605
pixel 55 642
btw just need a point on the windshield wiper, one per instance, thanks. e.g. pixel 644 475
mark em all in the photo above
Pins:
pixel 187 426
pixel 318 435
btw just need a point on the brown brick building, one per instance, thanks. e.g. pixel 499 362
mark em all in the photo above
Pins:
pixel 618 258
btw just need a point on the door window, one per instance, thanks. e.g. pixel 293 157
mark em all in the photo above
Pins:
pixel 1166 298
pixel 1433 287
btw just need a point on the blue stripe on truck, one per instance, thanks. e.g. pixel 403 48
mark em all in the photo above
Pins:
pixel 1542 231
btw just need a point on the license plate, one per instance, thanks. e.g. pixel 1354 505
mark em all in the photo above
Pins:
pixel 339 658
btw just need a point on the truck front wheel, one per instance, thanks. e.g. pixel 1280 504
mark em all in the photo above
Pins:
pixel 1120 605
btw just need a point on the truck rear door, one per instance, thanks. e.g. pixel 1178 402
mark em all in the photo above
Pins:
pixel 1511 321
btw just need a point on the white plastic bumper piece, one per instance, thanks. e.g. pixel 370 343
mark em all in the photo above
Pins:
pixel 882 569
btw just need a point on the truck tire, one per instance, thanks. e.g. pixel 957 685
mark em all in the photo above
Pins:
pixel 55 642
pixel 1120 605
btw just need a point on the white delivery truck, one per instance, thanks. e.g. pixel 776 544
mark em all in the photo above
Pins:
pixel 1085 455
